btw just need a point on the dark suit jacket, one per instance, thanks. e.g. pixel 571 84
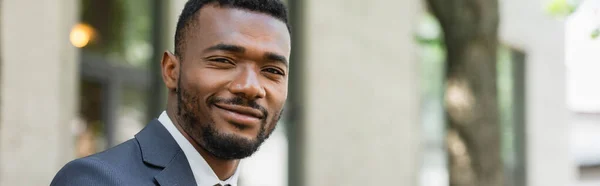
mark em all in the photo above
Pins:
pixel 151 158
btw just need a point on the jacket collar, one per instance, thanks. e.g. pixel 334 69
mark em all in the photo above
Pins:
pixel 160 149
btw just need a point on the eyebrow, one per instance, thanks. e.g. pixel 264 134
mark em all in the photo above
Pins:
pixel 226 47
pixel 276 57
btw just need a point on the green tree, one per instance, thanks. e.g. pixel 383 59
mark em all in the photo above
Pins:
pixel 470 35
pixel 564 8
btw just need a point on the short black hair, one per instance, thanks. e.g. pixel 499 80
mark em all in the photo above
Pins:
pixel 274 8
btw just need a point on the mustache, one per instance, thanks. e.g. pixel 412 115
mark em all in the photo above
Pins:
pixel 240 102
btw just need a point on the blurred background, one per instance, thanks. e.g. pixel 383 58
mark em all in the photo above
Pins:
pixel 382 92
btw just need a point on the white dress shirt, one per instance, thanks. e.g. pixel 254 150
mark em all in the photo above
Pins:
pixel 203 174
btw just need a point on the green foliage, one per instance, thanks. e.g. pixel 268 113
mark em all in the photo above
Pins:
pixel 137 32
pixel 596 33
pixel 564 8
pixel 433 55
pixel 106 18
pixel 561 8
pixel 429 31
pixel 505 103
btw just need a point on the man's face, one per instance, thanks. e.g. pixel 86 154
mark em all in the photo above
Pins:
pixel 233 77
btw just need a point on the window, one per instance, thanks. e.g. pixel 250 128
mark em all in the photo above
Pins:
pixel 511 103
pixel 117 44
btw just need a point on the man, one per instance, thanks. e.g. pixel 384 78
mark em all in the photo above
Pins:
pixel 227 83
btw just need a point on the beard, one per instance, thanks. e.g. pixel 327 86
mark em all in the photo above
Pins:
pixel 203 131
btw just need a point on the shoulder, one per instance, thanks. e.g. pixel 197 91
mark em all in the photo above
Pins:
pixel 85 171
pixel 105 168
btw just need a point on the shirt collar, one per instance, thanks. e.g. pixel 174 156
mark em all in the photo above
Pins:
pixel 203 174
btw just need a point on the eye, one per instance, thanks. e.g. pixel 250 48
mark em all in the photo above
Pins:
pixel 221 60
pixel 274 71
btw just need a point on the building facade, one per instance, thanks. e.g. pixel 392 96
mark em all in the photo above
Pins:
pixel 75 80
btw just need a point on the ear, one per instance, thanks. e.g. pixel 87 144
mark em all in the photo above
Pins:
pixel 170 70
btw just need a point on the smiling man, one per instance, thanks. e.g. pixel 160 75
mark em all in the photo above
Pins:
pixel 227 84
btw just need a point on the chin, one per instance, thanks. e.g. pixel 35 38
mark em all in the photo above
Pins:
pixel 235 130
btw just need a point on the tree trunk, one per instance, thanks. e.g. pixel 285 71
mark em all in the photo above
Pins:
pixel 471 36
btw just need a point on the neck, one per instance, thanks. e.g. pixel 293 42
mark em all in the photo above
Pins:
pixel 224 169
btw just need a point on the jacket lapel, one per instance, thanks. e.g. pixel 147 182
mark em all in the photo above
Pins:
pixel 178 172
pixel 160 149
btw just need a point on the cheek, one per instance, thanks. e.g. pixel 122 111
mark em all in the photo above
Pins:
pixel 277 95
pixel 206 82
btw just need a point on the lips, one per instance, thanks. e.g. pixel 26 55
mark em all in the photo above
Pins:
pixel 241 114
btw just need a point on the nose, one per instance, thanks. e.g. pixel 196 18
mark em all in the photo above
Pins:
pixel 247 85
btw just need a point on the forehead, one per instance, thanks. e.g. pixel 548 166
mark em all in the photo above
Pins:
pixel 252 30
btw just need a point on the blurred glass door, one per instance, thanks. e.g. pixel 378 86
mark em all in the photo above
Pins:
pixel 117 42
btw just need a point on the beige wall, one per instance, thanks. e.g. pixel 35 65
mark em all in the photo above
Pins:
pixel 362 96
pixel 526 26
pixel 38 89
